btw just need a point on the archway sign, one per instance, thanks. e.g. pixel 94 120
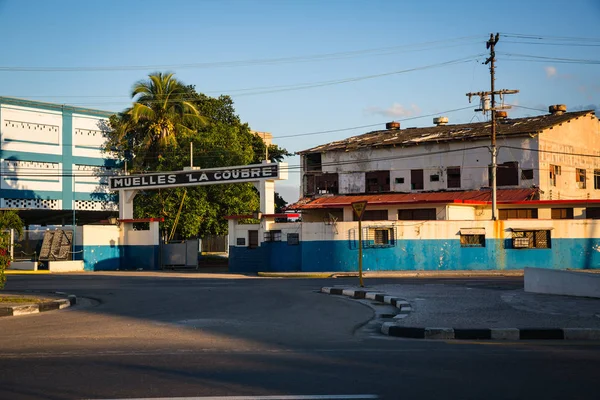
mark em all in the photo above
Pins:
pixel 263 175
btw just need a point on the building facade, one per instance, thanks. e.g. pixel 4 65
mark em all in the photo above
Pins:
pixel 557 153
pixel 51 157
pixel 429 201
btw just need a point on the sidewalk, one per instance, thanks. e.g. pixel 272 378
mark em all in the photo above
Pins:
pixel 447 311
pixel 393 274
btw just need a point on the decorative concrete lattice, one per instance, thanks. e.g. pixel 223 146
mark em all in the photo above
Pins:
pixel 90 205
pixel 28 166
pixel 87 132
pixel 31 203
pixel 30 126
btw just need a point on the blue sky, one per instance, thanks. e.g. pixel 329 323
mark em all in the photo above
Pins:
pixel 271 47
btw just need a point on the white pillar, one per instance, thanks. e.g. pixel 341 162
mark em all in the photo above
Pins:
pixel 267 197
pixel 126 203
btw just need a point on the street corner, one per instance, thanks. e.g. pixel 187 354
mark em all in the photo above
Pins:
pixel 15 304
pixel 403 306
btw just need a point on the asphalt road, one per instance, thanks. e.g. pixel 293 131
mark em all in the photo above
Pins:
pixel 172 336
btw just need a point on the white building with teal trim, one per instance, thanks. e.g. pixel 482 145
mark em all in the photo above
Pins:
pixel 52 163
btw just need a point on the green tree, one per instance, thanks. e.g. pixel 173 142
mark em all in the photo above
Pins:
pixel 160 113
pixel 219 139
pixel 8 220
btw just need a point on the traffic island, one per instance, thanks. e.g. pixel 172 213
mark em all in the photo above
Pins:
pixel 19 304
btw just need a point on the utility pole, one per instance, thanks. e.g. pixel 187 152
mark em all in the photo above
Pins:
pixel 484 96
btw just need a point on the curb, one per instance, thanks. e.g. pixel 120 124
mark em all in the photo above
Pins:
pixel 400 304
pixel 441 333
pixel 26 272
pixel 317 275
pixel 391 329
pixel 394 274
pixel 36 308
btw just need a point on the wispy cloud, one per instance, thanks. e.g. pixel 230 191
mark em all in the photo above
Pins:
pixel 551 72
pixel 395 110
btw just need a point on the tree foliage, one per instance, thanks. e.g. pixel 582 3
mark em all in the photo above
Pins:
pixel 8 220
pixel 155 135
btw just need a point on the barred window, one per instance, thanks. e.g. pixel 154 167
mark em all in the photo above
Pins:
pixel 272 236
pixel 379 237
pixel 472 240
pixel 534 239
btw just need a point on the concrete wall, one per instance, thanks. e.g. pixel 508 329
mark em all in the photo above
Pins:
pixel 102 247
pixel 426 245
pixel 66 266
pixel 111 247
pixel 567 283
pixel 434 159
pixel 578 136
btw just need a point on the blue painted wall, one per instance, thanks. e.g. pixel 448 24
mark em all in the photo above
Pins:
pixel 112 258
pixel 413 255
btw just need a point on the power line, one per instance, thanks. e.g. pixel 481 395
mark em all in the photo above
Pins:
pixel 368 126
pixel 546 37
pixel 249 62
pixel 302 86
pixel 536 58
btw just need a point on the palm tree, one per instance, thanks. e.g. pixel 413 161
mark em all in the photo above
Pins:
pixel 162 107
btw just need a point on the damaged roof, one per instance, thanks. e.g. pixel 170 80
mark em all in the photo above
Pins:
pixel 466 197
pixel 447 133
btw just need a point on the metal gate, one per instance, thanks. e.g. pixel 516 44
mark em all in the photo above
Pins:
pixel 183 254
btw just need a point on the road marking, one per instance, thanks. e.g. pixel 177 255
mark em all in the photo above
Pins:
pixel 287 397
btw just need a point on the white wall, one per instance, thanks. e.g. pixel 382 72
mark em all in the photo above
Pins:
pixel 460 213
pixel 88 136
pixel 31 175
pixel 432 159
pixel 31 130
pixel 579 136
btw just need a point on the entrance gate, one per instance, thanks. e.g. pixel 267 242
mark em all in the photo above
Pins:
pixel 263 176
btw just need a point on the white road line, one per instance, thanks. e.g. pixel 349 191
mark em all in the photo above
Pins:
pixel 287 397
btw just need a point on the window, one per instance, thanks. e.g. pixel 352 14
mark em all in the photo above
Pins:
pixel 554 172
pixel 469 240
pixel 399 180
pixel 272 236
pixel 379 237
pixel 241 241
pixel 453 177
pixel 434 178
pixel 526 174
pixel 592 212
pixel 326 183
pixel 293 239
pixel 533 239
pixel 514 213
pixel 313 162
pixel 562 213
pixel 416 179
pixel 507 174
pixel 377 181
pixel 373 215
pixel 417 214
pixel 252 239
pixel 321 184
pixel 597 179
pixel 580 178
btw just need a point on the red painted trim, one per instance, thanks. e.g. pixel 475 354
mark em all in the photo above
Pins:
pixel 134 220
pixel 278 215
pixel 466 202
